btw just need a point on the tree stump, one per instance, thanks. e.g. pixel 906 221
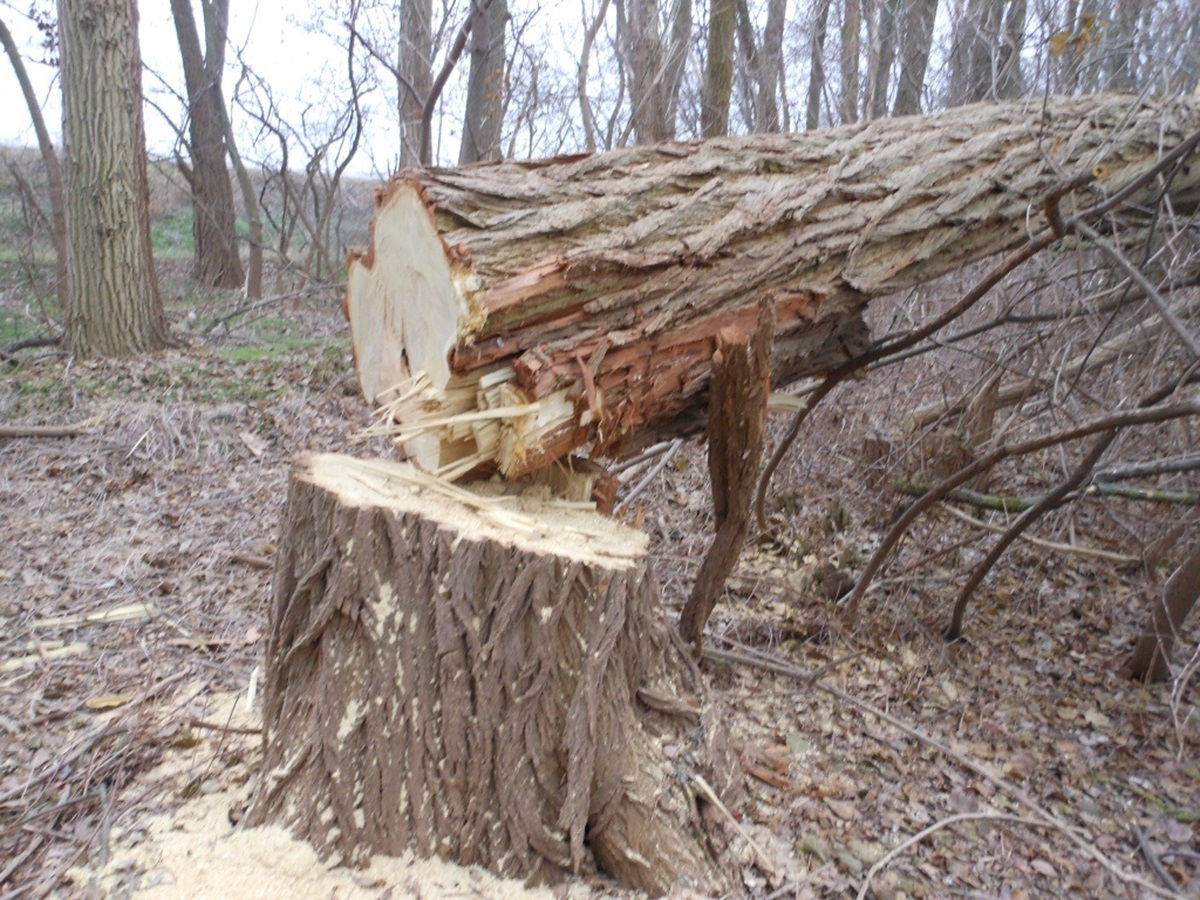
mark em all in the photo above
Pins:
pixel 485 678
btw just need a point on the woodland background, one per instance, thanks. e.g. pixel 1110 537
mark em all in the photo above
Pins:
pixel 154 512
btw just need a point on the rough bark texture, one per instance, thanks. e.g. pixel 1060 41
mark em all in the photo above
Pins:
pixel 490 685
pixel 484 112
pixel 579 300
pixel 414 78
pixel 214 218
pixel 737 421
pixel 1151 657
pixel 115 305
pixel 718 69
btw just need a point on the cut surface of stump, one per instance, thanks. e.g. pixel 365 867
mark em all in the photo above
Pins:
pixel 481 677
pixel 508 314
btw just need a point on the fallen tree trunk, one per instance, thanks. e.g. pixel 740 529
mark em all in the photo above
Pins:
pixel 507 314
pixel 489 679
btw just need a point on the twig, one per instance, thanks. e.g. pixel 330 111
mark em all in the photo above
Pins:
pixel 24 431
pixel 774 664
pixel 1164 309
pixel 650 476
pixel 27 343
pixel 254 562
pixel 984 463
pixel 21 858
pixel 1155 863
pixel 1003 818
pixel 1049 502
pixel 1123 471
pixel 711 796
pixel 1093 552
pixel 227 729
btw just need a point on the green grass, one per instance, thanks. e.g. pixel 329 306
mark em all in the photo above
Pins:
pixel 171 234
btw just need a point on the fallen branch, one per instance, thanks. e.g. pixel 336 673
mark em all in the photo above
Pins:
pixel 1126 471
pixel 774 664
pixel 998 818
pixel 1010 504
pixel 1051 501
pixel 1093 552
pixel 45 431
pixel 983 464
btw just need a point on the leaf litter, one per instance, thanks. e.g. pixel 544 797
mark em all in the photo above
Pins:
pixel 1013 764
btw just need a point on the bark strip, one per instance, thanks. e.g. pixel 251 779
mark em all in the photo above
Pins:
pixel 737 421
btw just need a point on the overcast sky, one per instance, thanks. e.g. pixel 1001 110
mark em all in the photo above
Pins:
pixel 281 52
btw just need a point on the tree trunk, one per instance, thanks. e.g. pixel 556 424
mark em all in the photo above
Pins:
pixel 507 315
pixel 914 56
pixel 851 24
pixel 414 76
pixel 487 679
pixel 816 66
pixel 883 54
pixel 1151 657
pixel 214 219
pixel 718 69
pixel 485 87
pixel 115 306
pixel 54 177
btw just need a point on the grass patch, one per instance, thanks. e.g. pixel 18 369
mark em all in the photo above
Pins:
pixel 171 234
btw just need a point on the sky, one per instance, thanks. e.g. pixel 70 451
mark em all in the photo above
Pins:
pixel 284 54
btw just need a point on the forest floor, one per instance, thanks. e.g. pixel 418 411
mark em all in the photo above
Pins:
pixel 134 585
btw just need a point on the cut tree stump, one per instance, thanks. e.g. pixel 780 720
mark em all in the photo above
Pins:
pixel 507 314
pixel 485 678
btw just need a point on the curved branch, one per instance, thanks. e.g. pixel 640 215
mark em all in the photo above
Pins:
pixel 965 474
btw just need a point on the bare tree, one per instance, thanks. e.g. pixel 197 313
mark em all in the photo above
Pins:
pixel 915 46
pixel 851 47
pixel 58 213
pixel 214 217
pixel 816 75
pixel 485 86
pixel 115 306
pixel 653 58
pixel 718 68
pixel 414 75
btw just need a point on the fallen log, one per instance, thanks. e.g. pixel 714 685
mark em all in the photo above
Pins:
pixel 483 677
pixel 507 314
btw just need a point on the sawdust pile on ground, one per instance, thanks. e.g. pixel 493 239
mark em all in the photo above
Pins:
pixel 195 850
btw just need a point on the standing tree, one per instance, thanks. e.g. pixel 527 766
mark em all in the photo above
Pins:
pixel 115 306
pixel 915 46
pixel 718 68
pixel 485 86
pixel 653 57
pixel 58 214
pixel 214 218
pixel 414 76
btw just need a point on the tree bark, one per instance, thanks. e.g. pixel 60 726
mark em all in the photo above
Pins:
pixel 914 56
pixel 486 679
pixel 414 76
pixel 851 25
pixel 1151 657
pixel 54 176
pixel 214 220
pixel 816 66
pixel 507 315
pixel 115 306
pixel 485 87
pixel 718 69
pixel 737 425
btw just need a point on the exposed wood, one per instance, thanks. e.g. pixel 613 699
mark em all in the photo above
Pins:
pixel 508 314
pixel 737 421
pixel 483 677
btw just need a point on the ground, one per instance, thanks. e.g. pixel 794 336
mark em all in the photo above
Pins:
pixel 134 578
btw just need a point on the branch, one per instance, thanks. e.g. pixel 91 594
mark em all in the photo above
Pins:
pixel 1125 471
pixel 1049 502
pixel 1005 451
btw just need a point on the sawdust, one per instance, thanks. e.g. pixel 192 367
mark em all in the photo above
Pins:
pixel 195 850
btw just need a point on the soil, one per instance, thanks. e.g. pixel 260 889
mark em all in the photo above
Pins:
pixel 1014 763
